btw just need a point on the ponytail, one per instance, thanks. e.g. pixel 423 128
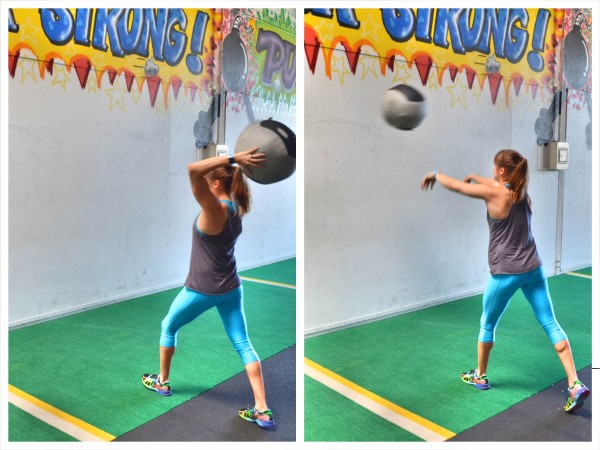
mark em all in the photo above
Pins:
pixel 519 178
pixel 517 172
pixel 240 191
pixel 233 180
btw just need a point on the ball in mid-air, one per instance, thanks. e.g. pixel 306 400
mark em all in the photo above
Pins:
pixel 403 107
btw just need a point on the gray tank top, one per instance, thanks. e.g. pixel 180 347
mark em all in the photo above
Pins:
pixel 512 249
pixel 213 268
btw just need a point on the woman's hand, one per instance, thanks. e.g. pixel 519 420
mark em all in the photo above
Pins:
pixel 250 158
pixel 428 181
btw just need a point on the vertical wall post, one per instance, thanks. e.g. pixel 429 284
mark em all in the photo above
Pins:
pixel 560 198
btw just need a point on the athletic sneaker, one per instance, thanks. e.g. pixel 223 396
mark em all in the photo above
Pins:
pixel 263 419
pixel 151 382
pixel 577 394
pixel 471 377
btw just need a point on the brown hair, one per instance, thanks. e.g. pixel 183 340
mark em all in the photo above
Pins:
pixel 234 183
pixel 517 173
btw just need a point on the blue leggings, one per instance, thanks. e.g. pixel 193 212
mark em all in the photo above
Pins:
pixel 190 304
pixel 499 291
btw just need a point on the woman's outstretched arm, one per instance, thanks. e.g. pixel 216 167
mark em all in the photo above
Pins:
pixel 485 191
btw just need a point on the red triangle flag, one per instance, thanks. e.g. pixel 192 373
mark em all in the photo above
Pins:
pixel 12 63
pixel 517 82
pixel 470 76
pixel 311 47
pixel 352 58
pixel 534 87
pixel 112 73
pixel 82 68
pixel 424 63
pixel 494 79
pixel 453 71
pixel 129 77
pixel 176 84
pixel 153 85
pixel 390 62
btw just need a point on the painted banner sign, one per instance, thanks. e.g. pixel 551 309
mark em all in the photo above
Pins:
pixel 172 47
pixel 176 49
pixel 505 47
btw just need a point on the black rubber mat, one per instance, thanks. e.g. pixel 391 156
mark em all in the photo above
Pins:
pixel 540 418
pixel 212 416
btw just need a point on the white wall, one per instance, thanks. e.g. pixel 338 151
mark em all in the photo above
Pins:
pixel 100 207
pixel 375 244
pixel 577 227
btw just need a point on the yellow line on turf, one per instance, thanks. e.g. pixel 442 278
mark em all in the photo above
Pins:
pixel 401 417
pixel 67 423
pixel 582 275
pixel 273 283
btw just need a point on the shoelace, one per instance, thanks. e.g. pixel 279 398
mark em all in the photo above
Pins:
pixel 577 386
pixel 157 382
pixel 256 414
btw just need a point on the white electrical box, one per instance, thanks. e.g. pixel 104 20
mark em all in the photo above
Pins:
pixel 559 155
pixel 212 150
pixel 553 156
pixel 222 150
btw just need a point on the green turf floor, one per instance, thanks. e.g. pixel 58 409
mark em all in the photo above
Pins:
pixel 331 424
pixel 21 425
pixel 280 272
pixel 585 271
pixel 426 350
pixel 90 364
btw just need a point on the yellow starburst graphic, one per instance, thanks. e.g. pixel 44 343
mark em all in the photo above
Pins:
pixel 439 57
pixel 60 76
pixel 28 32
pixel 401 73
pixel 339 66
pixel 135 95
pixel 28 69
pixel 432 81
pixel 408 48
pixel 116 94
pixel 325 30
pixel 457 92
pixel 92 82
pixel 368 63
pixel 370 28
pixel 68 52
pixel 476 91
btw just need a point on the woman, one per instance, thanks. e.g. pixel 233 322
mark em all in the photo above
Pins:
pixel 222 192
pixel 514 263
